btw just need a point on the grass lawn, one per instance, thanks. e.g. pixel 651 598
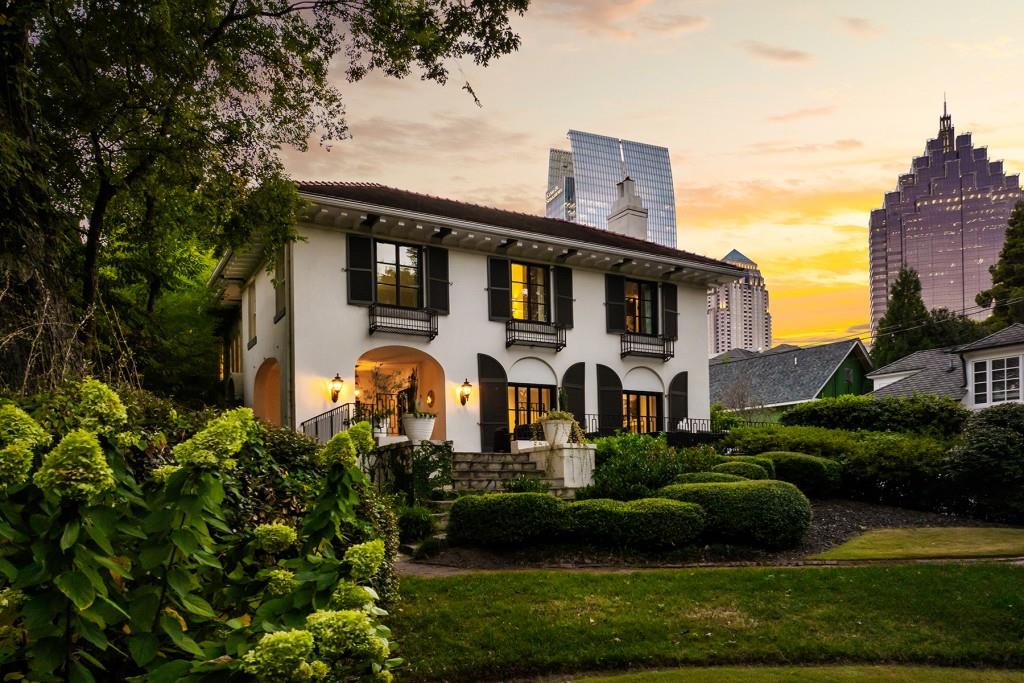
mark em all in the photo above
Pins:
pixel 887 544
pixel 500 625
pixel 816 674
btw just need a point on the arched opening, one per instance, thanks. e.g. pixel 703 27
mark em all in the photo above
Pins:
pixel 394 380
pixel 642 401
pixel 532 392
pixel 266 392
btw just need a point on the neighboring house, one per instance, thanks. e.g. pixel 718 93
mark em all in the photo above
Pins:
pixel 978 374
pixel 409 299
pixel 779 378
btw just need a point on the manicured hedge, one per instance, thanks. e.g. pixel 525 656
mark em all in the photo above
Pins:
pixel 505 519
pixel 987 466
pixel 900 469
pixel 747 470
pixel 764 463
pixel 707 477
pixel 922 414
pixel 828 443
pixel 817 477
pixel 770 514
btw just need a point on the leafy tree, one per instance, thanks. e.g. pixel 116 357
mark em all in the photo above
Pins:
pixel 903 328
pixel 1006 295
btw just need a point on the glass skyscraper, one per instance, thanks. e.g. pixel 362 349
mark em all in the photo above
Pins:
pixel 946 220
pixel 582 182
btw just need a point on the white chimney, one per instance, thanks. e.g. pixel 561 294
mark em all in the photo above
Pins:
pixel 628 216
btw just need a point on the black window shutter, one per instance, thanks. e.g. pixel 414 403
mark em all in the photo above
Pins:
pixel 499 289
pixel 678 399
pixel 360 270
pixel 609 400
pixel 670 308
pixel 615 302
pixel 574 383
pixel 494 434
pixel 437 279
pixel 563 296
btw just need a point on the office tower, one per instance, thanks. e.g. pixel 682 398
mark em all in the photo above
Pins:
pixel 582 182
pixel 738 316
pixel 946 219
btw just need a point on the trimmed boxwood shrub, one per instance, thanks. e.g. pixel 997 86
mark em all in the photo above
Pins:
pixel 764 463
pixel 649 523
pixel 747 470
pixel 937 416
pixel 828 443
pixel 899 469
pixel 505 519
pixel 817 477
pixel 707 477
pixel 769 514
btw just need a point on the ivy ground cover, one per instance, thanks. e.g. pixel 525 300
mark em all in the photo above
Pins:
pixel 500 625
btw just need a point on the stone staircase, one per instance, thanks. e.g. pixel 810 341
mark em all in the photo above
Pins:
pixel 490 471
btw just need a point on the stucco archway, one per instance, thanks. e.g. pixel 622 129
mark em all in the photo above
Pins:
pixel 385 378
pixel 266 392
pixel 643 379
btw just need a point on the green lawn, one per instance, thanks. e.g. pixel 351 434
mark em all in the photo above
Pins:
pixel 496 626
pixel 888 544
pixel 816 674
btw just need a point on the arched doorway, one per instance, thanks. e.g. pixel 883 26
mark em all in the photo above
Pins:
pixel 394 380
pixel 266 392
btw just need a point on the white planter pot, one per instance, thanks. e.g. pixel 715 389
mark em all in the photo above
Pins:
pixel 556 432
pixel 417 428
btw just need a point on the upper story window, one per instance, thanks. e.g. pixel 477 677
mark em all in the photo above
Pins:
pixel 529 292
pixel 641 307
pixel 997 380
pixel 398 278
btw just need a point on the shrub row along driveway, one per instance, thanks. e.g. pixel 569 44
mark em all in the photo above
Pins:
pixel 501 625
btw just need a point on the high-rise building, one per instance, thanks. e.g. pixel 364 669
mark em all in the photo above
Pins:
pixel 582 182
pixel 946 220
pixel 738 316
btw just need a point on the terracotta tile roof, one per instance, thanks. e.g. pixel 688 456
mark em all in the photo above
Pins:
pixel 381 195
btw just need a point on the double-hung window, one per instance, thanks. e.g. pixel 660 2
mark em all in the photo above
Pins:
pixel 399 281
pixel 530 292
pixel 641 307
pixel 997 380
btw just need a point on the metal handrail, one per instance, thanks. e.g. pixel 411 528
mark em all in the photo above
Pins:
pixel 421 322
pixel 534 333
pixel 647 346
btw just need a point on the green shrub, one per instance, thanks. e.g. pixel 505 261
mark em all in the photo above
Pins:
pixel 505 519
pixel 524 484
pixel 986 469
pixel 747 470
pixel 707 477
pixel 827 443
pixel 936 416
pixel 769 514
pixel 414 524
pixel 817 477
pixel 764 463
pixel 898 469
pixel 632 466
pixel 596 521
pixel 648 523
pixel 722 420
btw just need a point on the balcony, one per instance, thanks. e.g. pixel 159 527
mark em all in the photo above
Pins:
pixel 417 322
pixel 530 333
pixel 647 346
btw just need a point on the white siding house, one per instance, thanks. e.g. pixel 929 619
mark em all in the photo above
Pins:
pixel 410 298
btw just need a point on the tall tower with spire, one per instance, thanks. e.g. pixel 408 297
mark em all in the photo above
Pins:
pixel 738 316
pixel 946 219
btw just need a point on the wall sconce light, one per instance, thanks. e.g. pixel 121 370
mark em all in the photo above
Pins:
pixel 430 398
pixel 464 391
pixel 336 384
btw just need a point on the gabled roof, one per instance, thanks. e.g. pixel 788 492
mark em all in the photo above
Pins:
pixel 935 371
pixel 784 377
pixel 1008 336
pixel 381 195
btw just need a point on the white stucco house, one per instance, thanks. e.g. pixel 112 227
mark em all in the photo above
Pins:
pixel 476 314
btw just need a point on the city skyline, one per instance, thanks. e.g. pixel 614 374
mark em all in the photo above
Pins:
pixel 783 148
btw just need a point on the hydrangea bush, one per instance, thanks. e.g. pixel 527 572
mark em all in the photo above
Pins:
pixel 105 575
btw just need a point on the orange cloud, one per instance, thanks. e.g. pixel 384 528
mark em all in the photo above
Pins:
pixel 775 53
pixel 797 114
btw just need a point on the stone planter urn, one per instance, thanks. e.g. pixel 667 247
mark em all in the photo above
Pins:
pixel 556 432
pixel 418 427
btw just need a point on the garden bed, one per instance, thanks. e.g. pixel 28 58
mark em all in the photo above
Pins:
pixel 834 522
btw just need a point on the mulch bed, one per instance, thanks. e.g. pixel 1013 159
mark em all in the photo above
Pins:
pixel 834 522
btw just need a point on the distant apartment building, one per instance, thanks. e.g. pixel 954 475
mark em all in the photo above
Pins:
pixel 738 316
pixel 582 182
pixel 947 220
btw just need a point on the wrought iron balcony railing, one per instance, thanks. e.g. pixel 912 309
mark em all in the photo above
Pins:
pixel 530 333
pixel 419 322
pixel 647 346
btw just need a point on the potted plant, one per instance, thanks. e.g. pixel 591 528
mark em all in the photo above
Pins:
pixel 417 424
pixel 557 426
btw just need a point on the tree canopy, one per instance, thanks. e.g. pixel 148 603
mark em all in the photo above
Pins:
pixel 1006 296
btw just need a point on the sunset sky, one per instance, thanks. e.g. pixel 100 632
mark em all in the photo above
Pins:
pixel 786 122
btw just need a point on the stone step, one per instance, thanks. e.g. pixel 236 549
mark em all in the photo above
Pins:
pixel 440 520
pixel 478 485
pixel 440 505
pixel 474 465
pixel 462 475
pixel 490 457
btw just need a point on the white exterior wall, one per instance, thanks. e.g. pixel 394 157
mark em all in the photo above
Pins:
pixel 271 338
pixel 330 336
pixel 880 381
pixel 989 354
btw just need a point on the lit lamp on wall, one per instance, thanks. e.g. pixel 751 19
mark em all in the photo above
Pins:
pixel 464 391
pixel 336 384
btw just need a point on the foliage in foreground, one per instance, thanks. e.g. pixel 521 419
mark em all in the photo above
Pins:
pixel 106 576
pixel 937 416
